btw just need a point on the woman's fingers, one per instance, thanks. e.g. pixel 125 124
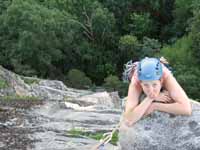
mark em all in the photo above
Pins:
pixel 164 99
pixel 168 99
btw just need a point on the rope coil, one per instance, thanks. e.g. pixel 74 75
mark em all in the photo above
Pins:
pixel 105 139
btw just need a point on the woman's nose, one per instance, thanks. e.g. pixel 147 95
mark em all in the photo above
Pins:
pixel 150 89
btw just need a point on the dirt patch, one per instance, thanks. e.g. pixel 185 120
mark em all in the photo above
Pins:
pixel 14 133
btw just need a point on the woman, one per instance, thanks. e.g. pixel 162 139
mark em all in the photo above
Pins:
pixel 149 77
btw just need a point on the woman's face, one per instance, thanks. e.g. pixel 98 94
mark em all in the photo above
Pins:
pixel 151 88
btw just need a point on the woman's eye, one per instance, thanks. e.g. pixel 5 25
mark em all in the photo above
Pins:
pixel 154 85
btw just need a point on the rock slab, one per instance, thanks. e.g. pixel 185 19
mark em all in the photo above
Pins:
pixel 162 131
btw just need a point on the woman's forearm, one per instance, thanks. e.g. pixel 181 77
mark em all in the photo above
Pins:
pixel 174 108
pixel 136 114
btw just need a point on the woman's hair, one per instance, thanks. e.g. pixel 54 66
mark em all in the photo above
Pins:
pixel 129 69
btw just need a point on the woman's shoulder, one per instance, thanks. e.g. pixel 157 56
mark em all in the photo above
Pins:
pixel 166 72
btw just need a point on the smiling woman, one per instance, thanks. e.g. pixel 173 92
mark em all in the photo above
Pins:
pixel 163 92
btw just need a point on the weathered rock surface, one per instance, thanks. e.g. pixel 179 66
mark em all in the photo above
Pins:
pixel 55 90
pixel 54 122
pixel 14 84
pixel 47 125
pixel 104 99
pixel 162 131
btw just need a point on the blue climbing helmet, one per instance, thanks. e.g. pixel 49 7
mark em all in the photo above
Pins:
pixel 149 69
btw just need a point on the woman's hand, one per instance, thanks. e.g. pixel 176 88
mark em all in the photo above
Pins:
pixel 130 117
pixel 164 97
pixel 150 109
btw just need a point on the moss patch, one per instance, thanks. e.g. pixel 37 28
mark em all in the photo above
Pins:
pixel 15 97
pixel 3 83
pixel 97 136
pixel 30 81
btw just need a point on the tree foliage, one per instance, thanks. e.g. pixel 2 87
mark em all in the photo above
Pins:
pixel 186 70
pixel 78 79
pixel 48 38
pixel 34 36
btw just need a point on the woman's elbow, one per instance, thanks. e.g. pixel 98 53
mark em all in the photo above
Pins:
pixel 188 110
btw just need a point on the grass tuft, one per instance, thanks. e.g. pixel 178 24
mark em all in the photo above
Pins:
pixel 97 136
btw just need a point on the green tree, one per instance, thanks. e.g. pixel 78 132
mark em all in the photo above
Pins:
pixel 33 35
pixel 129 47
pixel 150 47
pixel 188 77
pixel 78 79
pixel 158 12
pixel 182 13
pixel 93 50
pixel 4 5
pixel 195 32
pixel 184 65
pixel 141 24
pixel 96 22
pixel 112 83
pixel 180 52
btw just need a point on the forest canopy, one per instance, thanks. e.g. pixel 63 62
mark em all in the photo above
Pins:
pixel 95 38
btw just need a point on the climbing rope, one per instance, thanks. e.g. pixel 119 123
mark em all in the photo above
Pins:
pixel 105 139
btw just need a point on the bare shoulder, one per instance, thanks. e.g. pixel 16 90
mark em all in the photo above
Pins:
pixel 174 88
